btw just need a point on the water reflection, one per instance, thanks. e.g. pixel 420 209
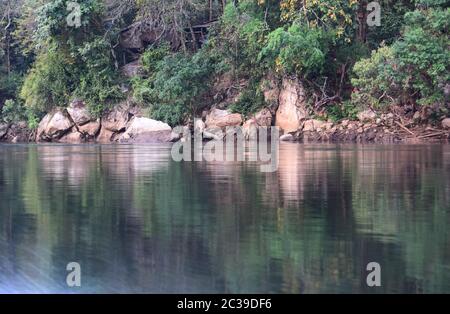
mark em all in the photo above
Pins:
pixel 138 222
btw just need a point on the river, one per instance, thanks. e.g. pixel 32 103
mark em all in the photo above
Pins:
pixel 137 221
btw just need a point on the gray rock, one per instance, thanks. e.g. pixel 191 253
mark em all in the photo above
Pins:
pixel 367 116
pixel 446 123
pixel 145 130
pixel 54 125
pixel 79 113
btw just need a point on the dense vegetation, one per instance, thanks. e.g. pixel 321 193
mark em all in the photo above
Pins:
pixel 345 64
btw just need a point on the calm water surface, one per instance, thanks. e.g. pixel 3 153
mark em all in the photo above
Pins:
pixel 137 221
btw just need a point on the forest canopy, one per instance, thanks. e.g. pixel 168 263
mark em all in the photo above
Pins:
pixel 184 46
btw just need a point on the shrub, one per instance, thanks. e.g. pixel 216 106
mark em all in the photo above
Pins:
pixel 12 111
pixel 415 69
pixel 49 83
pixel 250 100
pixel 298 50
pixel 99 81
pixel 174 91
pixel 375 82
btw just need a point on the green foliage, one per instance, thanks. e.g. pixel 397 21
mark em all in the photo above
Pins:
pixel 151 57
pixel 49 82
pixel 44 62
pixel 52 21
pixel 238 39
pixel 250 100
pixel 423 56
pixel 98 82
pixel 174 90
pixel 344 110
pixel 12 111
pixel 74 63
pixel 297 50
pixel 375 80
pixel 415 69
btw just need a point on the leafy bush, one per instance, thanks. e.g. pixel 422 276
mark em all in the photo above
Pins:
pixel 175 88
pixel 376 82
pixel 298 50
pixel 49 83
pixel 415 69
pixel 238 39
pixel 12 111
pixel 99 81
pixel 250 100
pixel 71 62
pixel 344 110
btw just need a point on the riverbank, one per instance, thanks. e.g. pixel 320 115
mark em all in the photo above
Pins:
pixel 127 124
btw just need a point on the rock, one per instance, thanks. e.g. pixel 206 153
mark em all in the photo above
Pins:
pixel 446 123
pixel 366 116
pixel 250 130
pixel 263 118
pixel 287 138
pixel 378 121
pixel 328 126
pixel 145 130
pixel 15 132
pixel 105 136
pixel 91 129
pixel 345 123
pixel 312 125
pixel 116 120
pixel 179 132
pixel 222 118
pixel 292 106
pixel 199 126
pixel 73 137
pixel 79 113
pixel 4 127
pixel 131 69
pixel 213 134
pixel 54 125
pixel 352 126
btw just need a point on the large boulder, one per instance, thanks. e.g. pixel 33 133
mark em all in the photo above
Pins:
pixel 446 123
pixel 16 132
pixel 72 137
pixel 79 113
pixel 54 125
pixel 90 129
pixel 292 106
pixel 222 118
pixel 116 119
pixel 145 130
pixel 105 136
pixel 367 116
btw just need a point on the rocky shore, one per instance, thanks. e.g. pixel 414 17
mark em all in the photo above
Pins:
pixel 125 123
